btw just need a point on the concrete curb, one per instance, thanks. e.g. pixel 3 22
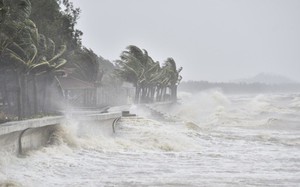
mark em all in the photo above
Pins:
pixel 21 136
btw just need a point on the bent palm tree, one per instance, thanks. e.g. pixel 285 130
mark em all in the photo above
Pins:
pixel 131 68
pixel 173 77
pixel 23 49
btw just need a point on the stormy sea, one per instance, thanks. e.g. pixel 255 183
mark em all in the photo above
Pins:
pixel 206 139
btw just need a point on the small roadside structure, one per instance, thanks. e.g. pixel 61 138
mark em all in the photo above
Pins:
pixel 115 95
pixel 78 93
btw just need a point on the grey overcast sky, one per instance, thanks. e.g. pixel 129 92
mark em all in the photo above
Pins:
pixel 215 40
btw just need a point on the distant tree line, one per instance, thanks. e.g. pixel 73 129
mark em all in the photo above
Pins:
pixel 196 86
pixel 39 44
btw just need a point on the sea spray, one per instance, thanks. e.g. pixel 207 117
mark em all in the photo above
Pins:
pixel 9 184
pixel 246 145
pixel 66 133
pixel 6 160
pixel 150 135
pixel 202 108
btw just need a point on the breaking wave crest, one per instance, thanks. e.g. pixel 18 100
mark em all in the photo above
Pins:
pixel 207 133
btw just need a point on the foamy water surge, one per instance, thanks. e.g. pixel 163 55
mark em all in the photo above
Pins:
pixel 209 140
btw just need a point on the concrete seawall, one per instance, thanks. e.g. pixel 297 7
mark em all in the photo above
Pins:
pixel 20 136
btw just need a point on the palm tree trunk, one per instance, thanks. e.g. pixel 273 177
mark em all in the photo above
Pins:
pixel 26 103
pixel 35 99
pixel 20 99
pixel 164 92
pixel 5 96
pixel 45 94
pixel 174 93
pixel 137 94
pixel 143 98
pixel 158 93
pixel 152 94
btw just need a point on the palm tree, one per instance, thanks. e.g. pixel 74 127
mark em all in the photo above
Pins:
pixel 137 67
pixel 19 51
pixel 86 64
pixel 48 66
pixel 19 57
pixel 173 76
pixel 162 84
pixel 152 78
pixel 131 68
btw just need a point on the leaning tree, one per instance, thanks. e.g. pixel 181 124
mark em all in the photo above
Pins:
pixel 24 50
pixel 131 68
pixel 172 73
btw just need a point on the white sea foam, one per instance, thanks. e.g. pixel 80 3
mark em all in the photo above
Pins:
pixel 213 140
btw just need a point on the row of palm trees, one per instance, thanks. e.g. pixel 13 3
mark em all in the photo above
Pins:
pixel 31 64
pixel 152 81
pixel 27 56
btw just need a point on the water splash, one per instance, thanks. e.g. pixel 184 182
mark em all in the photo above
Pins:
pixel 215 140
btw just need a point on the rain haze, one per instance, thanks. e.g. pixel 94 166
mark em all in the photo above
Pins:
pixel 91 93
pixel 212 40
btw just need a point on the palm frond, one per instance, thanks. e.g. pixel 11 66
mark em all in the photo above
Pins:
pixel 59 54
pixel 60 63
